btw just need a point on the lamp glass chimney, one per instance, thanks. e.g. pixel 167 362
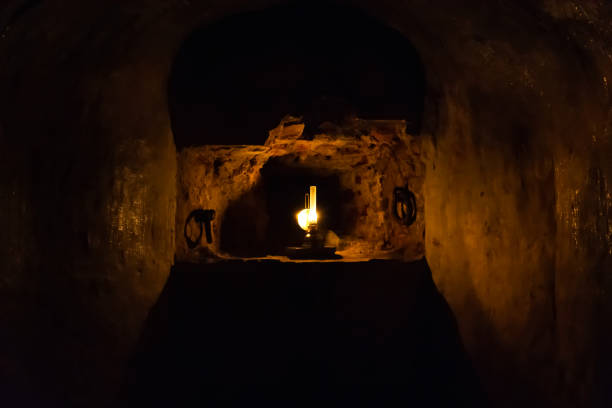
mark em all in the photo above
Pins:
pixel 312 210
pixel 308 217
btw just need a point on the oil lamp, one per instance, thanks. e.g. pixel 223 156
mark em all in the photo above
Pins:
pixel 314 242
pixel 308 217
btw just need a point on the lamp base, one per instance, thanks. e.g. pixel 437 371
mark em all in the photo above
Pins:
pixel 313 247
pixel 301 252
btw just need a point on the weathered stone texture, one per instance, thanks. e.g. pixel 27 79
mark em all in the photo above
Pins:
pixel 369 167
pixel 517 188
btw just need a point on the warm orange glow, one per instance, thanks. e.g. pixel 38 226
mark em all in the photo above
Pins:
pixel 312 214
pixel 305 218
pixel 309 216
pixel 302 219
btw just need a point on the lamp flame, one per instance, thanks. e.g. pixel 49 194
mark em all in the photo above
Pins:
pixel 305 219
pixel 309 216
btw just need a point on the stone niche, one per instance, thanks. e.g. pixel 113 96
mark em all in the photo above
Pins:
pixel 257 190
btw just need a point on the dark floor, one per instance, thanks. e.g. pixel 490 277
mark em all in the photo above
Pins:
pixel 267 333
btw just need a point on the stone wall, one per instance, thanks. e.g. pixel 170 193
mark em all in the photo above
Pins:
pixel 369 158
pixel 88 200
pixel 517 187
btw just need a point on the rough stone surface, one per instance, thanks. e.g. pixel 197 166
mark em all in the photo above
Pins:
pixel 517 187
pixel 368 168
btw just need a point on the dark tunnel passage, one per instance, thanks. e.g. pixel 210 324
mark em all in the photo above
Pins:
pixel 114 117
pixel 281 193
pixel 234 80
pixel 277 335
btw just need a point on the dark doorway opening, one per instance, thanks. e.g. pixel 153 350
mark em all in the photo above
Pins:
pixel 286 185
pixel 233 80
pixel 275 202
